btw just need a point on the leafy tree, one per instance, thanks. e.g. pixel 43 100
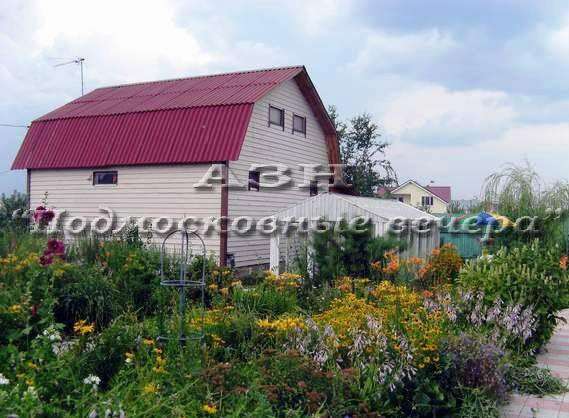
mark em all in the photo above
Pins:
pixel 363 154
pixel 10 204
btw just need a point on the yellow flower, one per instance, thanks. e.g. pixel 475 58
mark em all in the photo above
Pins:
pixel 148 341
pixel 213 287
pixel 82 327
pixel 129 357
pixel 15 309
pixel 224 291
pixel 209 409
pixel 282 324
pixel 284 280
pixel 217 340
pixel 150 388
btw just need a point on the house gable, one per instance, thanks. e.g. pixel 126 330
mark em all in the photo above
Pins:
pixel 270 144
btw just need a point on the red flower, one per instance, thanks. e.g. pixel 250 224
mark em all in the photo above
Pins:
pixel 46 259
pixel 42 215
pixel 55 246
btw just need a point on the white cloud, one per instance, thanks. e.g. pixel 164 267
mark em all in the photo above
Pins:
pixel 465 167
pixel 431 113
pixel 557 39
pixel 382 51
pixel 317 17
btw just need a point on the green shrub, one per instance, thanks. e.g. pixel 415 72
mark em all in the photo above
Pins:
pixel 530 275
pixel 534 380
pixel 107 354
pixel 90 297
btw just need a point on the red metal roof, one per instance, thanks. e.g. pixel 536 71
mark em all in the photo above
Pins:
pixel 189 120
pixel 441 191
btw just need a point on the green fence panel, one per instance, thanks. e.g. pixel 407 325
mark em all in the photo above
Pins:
pixel 467 244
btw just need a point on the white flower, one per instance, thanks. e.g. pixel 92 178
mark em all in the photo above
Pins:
pixel 52 334
pixel 31 392
pixel 62 347
pixel 92 380
pixel 3 380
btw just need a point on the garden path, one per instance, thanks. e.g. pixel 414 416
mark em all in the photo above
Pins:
pixel 556 358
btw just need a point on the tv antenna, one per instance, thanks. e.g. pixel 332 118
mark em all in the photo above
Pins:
pixel 79 61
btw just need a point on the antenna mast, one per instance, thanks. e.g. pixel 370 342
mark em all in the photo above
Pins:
pixel 79 61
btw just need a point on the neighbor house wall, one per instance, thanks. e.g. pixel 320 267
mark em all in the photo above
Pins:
pixel 266 144
pixel 142 191
pixel 412 194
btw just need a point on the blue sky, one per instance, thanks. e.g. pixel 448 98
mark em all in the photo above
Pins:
pixel 458 88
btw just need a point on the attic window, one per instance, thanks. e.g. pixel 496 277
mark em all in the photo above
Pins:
pixel 254 177
pixel 298 124
pixel 426 200
pixel 105 177
pixel 276 116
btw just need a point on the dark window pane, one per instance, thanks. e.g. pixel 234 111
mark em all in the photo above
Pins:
pixel 276 116
pixel 254 177
pixel 427 200
pixel 313 187
pixel 105 177
pixel 298 124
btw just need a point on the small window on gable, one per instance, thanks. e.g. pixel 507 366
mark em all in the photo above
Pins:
pixel 105 177
pixel 298 124
pixel 427 201
pixel 313 187
pixel 276 116
pixel 254 178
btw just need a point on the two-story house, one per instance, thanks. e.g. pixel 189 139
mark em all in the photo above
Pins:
pixel 140 149
pixel 434 199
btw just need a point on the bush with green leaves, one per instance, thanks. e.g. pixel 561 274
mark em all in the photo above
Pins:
pixel 531 276
pixel 86 295
pixel 348 250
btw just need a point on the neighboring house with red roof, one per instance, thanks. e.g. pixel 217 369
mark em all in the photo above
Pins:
pixel 434 199
pixel 139 149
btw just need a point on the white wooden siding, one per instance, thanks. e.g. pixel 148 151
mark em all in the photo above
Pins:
pixel 266 144
pixel 142 191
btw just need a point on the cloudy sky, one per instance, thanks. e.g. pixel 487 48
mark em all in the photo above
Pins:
pixel 459 88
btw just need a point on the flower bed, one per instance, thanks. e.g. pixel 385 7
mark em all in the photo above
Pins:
pixel 417 338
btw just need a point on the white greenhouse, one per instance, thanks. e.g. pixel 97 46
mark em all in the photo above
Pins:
pixel 419 229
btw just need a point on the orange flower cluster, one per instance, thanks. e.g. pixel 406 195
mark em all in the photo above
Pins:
pixel 563 262
pixel 444 263
pixel 393 263
pixel 346 284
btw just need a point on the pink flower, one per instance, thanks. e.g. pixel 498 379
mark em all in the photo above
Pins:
pixel 42 215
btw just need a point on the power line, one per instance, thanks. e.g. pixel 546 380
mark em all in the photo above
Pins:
pixel 9 125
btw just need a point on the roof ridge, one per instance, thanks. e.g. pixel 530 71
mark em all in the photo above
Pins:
pixel 167 80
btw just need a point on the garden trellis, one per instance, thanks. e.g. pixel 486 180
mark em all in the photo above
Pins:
pixel 182 283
